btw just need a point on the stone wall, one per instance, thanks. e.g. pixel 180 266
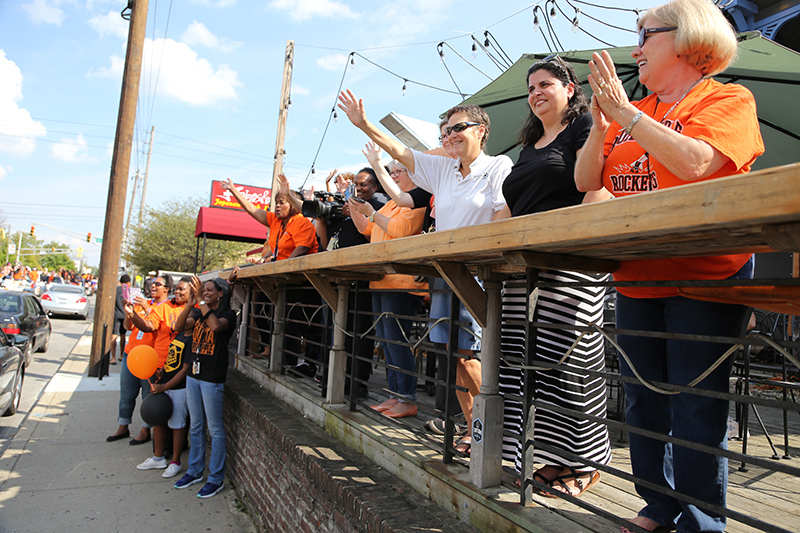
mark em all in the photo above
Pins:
pixel 297 478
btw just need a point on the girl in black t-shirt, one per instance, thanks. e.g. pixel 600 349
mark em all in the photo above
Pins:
pixel 211 324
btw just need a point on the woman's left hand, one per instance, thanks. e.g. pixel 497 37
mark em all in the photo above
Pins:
pixel 609 93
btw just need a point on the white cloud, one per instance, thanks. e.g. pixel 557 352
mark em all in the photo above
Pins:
pixel 332 61
pixel 110 24
pixel 182 75
pixel 44 12
pixel 299 89
pixel 19 131
pixel 198 34
pixel 218 3
pixel 4 172
pixel 410 19
pixel 71 150
pixel 301 10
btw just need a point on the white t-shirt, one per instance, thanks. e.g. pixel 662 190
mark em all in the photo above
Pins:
pixel 462 201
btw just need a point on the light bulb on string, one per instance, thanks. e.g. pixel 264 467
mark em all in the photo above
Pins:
pixel 352 61
pixel 535 21
pixel 288 103
pixel 553 11
pixel 405 82
pixel 575 20
pixel 474 50
pixel 335 116
pixel 486 43
pixel 440 49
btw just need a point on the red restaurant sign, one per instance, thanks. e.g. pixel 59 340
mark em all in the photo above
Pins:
pixel 221 197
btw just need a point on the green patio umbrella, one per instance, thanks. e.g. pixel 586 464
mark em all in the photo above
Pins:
pixel 769 70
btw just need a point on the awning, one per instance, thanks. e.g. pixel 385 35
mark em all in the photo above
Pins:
pixel 229 225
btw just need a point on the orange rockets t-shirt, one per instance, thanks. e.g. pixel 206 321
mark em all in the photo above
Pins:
pixel 722 115
pixel 163 317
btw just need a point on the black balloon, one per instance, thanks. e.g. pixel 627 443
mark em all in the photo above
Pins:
pixel 156 409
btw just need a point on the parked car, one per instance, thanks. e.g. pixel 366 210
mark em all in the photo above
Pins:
pixel 21 313
pixel 12 371
pixel 66 300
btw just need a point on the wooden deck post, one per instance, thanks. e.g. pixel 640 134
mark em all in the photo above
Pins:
pixel 278 328
pixel 338 360
pixel 241 347
pixel 487 413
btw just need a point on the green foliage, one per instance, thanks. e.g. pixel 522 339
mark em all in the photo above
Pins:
pixel 166 241
pixel 54 261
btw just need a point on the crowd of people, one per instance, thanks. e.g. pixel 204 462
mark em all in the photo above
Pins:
pixel 576 149
pixel 16 276
pixel 188 324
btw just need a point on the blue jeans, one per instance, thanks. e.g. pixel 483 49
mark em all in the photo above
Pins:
pixel 695 418
pixel 440 307
pixel 399 303
pixel 129 388
pixel 205 406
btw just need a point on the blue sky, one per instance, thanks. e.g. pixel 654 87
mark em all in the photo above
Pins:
pixel 211 84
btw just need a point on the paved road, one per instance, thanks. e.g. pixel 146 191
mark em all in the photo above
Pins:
pixel 66 332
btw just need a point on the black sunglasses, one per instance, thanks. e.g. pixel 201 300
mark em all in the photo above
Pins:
pixel 157 284
pixel 458 128
pixel 644 32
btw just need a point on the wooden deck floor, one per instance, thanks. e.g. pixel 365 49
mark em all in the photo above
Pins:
pixel 773 497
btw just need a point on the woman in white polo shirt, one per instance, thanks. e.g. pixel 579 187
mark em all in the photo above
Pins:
pixel 468 191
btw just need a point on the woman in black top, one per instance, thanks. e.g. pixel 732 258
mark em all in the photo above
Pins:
pixel 542 179
pixel 211 324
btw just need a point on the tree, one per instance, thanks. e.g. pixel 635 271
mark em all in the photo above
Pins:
pixel 166 241
pixel 55 261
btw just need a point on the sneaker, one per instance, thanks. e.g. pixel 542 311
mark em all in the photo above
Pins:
pixel 152 463
pixel 209 490
pixel 172 470
pixel 187 481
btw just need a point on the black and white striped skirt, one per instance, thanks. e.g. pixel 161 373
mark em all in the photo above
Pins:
pixel 567 387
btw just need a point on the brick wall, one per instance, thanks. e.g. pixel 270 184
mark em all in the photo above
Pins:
pixel 297 478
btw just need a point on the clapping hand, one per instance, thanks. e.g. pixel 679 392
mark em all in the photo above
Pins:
pixel 373 153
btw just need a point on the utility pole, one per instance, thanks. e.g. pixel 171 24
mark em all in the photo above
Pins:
pixel 146 173
pixel 130 209
pixel 19 245
pixel 286 101
pixel 118 185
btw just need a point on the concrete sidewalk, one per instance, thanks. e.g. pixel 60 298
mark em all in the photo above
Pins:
pixel 59 473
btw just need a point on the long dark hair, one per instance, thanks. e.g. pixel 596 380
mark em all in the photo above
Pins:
pixel 533 129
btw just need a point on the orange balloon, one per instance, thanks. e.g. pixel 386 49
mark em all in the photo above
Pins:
pixel 143 361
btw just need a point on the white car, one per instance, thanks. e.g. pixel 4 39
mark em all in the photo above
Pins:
pixel 65 300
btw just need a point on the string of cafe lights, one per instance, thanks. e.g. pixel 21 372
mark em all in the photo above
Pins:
pixel 491 47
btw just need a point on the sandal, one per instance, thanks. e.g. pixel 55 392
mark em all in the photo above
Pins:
pixel 594 477
pixel 466 442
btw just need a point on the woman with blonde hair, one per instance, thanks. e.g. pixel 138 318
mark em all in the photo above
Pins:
pixel 691 128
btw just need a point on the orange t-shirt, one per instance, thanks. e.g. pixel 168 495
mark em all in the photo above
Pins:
pixel 725 117
pixel 138 336
pixel 163 318
pixel 299 232
pixel 403 222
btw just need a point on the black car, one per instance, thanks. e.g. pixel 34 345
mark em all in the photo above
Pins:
pixel 12 371
pixel 21 313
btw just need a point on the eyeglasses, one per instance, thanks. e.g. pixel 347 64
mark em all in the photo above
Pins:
pixel 397 172
pixel 157 284
pixel 644 32
pixel 458 128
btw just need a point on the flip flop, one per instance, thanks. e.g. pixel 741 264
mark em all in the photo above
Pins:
pixel 594 477
pixel 464 441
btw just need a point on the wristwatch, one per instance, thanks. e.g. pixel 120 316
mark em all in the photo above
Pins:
pixel 202 302
pixel 371 218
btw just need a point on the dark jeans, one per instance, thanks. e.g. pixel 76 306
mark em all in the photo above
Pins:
pixel 695 418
